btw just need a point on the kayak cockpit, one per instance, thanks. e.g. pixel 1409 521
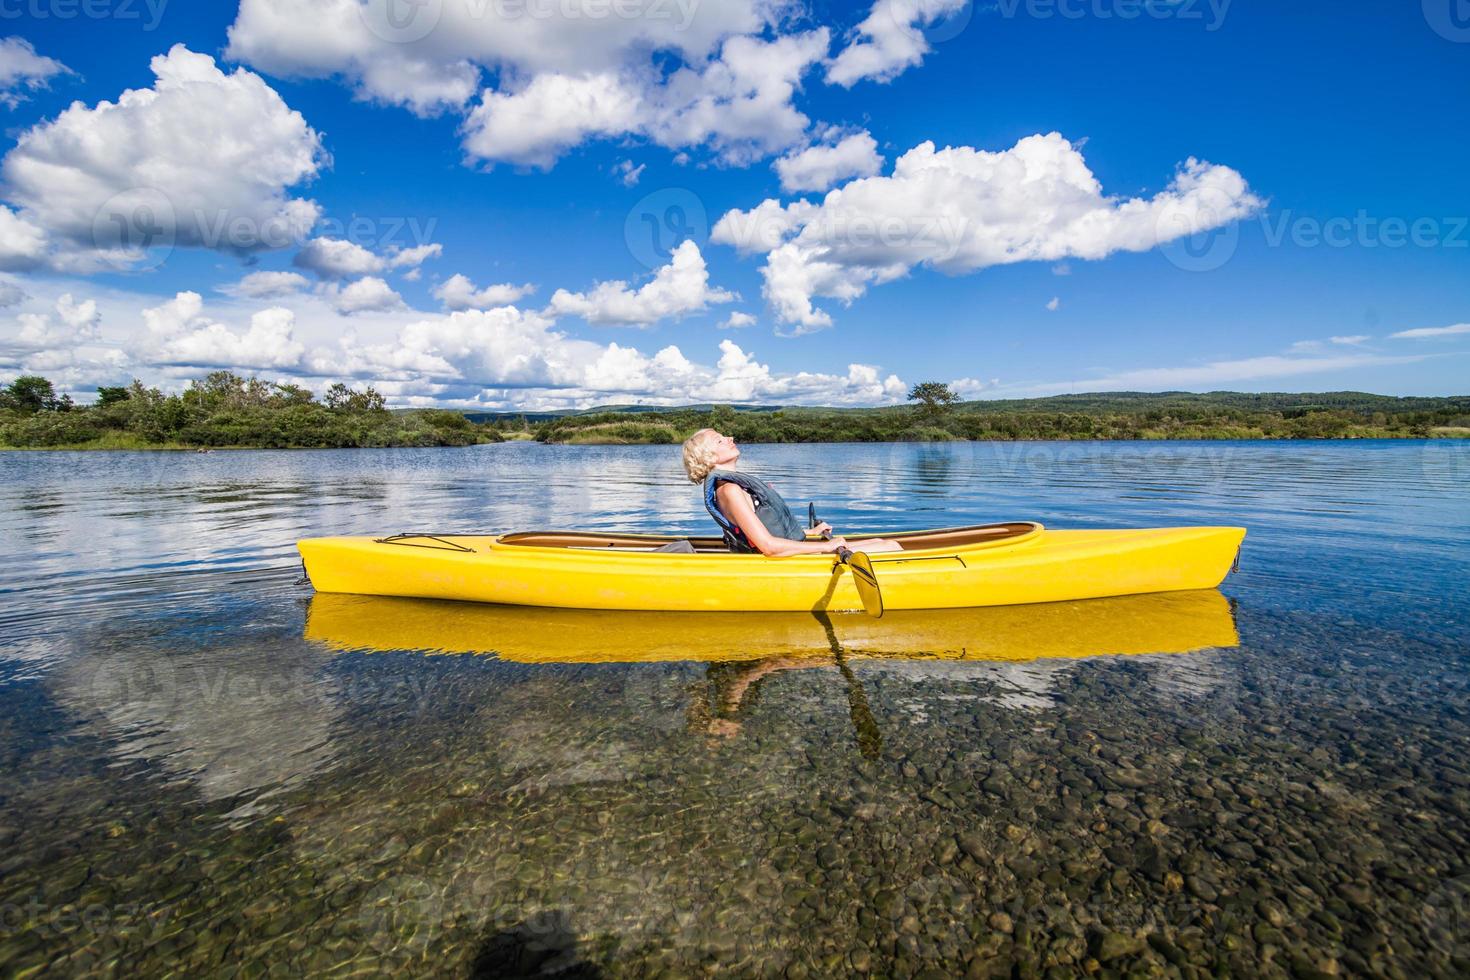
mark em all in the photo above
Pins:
pixel 951 537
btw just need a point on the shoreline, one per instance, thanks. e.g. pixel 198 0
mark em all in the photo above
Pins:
pixel 1451 437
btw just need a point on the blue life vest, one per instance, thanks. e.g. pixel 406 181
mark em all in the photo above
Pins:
pixel 769 507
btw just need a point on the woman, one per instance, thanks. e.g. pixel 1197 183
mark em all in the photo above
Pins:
pixel 751 514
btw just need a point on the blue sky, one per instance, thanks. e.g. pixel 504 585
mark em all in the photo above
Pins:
pixel 1331 214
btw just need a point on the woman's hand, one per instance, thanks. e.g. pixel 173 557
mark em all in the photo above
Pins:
pixel 835 543
pixel 819 530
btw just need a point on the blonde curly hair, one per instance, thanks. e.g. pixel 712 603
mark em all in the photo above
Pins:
pixel 699 456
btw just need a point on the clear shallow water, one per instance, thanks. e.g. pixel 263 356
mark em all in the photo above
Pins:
pixel 191 784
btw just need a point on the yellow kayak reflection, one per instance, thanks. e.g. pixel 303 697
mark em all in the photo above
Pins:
pixel 1170 622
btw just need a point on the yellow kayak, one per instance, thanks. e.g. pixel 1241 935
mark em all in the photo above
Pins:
pixel 949 568
pixel 1175 622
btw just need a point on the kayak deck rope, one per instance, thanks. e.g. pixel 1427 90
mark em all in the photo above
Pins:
pixel 412 541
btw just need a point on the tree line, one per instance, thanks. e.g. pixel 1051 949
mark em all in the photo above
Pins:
pixel 221 410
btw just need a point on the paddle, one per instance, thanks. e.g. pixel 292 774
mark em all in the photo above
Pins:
pixel 866 582
pixel 862 570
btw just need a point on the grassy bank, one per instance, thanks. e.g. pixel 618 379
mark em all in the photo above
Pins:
pixel 1132 416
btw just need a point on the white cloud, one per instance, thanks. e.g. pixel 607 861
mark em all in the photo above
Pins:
pixel 889 41
pixel 71 323
pixel 337 258
pixel 738 104
pixel 959 210
pixel 267 344
pixel 1420 333
pixel 969 388
pixel 268 285
pixel 817 168
pixel 201 159
pixel 737 321
pixel 459 293
pixel 1054 304
pixel 1355 340
pixel 368 294
pixel 679 288
pixel 22 70
pixel 537 124
pixel 762 228
pixel 428 56
pixel 412 258
pixel 22 244
pixel 681 73
pixel 180 335
pixel 628 173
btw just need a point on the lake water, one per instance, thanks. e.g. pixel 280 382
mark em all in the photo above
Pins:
pixel 206 769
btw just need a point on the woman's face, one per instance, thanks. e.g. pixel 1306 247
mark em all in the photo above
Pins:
pixel 723 446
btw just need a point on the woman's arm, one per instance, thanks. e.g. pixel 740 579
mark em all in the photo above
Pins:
pixel 736 504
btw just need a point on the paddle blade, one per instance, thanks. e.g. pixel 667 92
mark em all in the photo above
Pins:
pixel 867 583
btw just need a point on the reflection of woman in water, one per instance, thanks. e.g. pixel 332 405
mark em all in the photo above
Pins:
pixel 720 705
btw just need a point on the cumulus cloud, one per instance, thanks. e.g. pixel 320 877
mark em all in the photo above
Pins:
pixel 1422 333
pixel 739 104
pixel 368 294
pixel 684 75
pixel 737 321
pixel 677 289
pixel 23 71
pixel 180 334
pixel 202 159
pixel 817 168
pixel 22 244
pixel 536 125
pixel 890 40
pixel 268 285
pixel 459 293
pixel 337 258
pixel 958 210
pixel 1054 304
pixel 70 323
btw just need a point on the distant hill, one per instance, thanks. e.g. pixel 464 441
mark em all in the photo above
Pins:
pixel 1092 403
